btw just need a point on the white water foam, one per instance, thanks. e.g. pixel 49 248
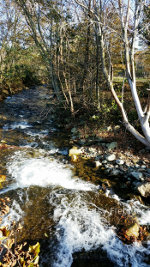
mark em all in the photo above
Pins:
pixel 80 227
pixel 142 212
pixel 17 125
pixel 14 215
pixel 44 172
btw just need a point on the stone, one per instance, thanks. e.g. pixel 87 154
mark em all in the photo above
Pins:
pixel 74 130
pixel 112 145
pixel 133 231
pixel 120 161
pixel 98 164
pixel 109 129
pixel 74 153
pixel 117 128
pixel 143 167
pixel 137 175
pixel 115 172
pixel 5 92
pixel 104 161
pixel 111 157
pixel 144 189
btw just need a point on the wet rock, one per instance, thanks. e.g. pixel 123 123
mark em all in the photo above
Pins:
pixel 143 167
pixel 112 145
pixel 120 161
pixel 128 229
pixel 111 157
pixel 115 172
pixel 137 175
pixel 144 189
pixel 104 161
pixel 133 231
pixel 148 171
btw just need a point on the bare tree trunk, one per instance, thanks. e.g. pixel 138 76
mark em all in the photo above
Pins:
pixel 86 58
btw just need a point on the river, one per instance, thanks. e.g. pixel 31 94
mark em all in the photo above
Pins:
pixel 69 216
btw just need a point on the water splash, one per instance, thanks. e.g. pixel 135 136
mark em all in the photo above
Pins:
pixel 80 227
pixel 44 172
pixel 16 125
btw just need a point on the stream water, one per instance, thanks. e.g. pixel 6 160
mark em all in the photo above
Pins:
pixel 73 221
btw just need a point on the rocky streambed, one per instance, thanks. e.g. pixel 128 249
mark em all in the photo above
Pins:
pixel 130 172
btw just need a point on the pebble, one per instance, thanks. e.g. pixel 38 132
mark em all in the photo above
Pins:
pixel 115 172
pixel 120 161
pixel 111 157
pixel 98 163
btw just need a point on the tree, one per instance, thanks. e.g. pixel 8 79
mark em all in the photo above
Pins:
pixel 144 26
pixel 129 15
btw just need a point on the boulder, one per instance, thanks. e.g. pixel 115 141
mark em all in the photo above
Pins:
pixel 144 189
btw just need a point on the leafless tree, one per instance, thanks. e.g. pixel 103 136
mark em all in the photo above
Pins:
pixel 128 17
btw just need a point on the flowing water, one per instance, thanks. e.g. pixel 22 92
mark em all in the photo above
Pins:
pixel 72 219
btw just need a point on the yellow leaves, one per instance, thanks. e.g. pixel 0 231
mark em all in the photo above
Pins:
pixel 46 235
pixel 35 249
pixel 9 243
pixel 2 178
pixel 15 254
